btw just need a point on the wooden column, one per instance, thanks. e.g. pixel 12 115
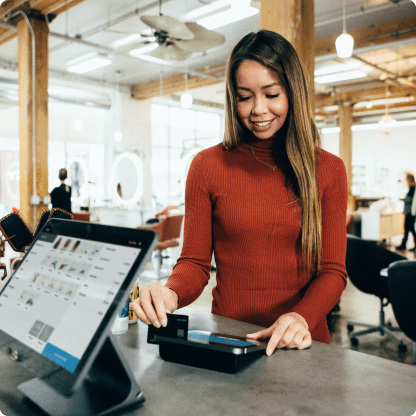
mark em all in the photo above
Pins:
pixel 26 117
pixel 295 20
pixel 345 146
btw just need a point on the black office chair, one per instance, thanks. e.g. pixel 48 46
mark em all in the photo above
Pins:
pixel 401 282
pixel 364 262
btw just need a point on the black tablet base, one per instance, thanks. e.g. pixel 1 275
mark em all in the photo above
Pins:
pixel 109 387
pixel 203 358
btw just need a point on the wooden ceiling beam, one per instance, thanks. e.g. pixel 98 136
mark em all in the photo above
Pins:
pixel 54 6
pixel 7 35
pixel 353 97
pixel 379 34
pixel 43 6
pixel 170 85
pixel 9 6
pixel 376 109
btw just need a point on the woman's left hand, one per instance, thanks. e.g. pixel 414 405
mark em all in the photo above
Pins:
pixel 290 331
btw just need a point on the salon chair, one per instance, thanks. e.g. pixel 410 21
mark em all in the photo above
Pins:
pixel 3 269
pixel 401 280
pixel 82 216
pixel 168 230
pixel 364 262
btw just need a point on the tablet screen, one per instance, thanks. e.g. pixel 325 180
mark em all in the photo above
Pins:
pixel 60 293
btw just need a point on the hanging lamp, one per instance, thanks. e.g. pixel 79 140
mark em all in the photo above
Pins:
pixel 344 43
pixel 186 97
pixel 387 123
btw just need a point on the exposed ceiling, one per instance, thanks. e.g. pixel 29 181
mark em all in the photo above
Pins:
pixel 385 50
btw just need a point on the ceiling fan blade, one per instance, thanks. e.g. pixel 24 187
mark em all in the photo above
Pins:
pixel 169 25
pixel 131 47
pixel 121 32
pixel 204 39
pixel 170 53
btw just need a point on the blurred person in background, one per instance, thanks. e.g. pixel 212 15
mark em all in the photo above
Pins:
pixel 410 215
pixel 61 195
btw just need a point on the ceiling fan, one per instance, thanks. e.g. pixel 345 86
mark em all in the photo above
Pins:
pixel 176 40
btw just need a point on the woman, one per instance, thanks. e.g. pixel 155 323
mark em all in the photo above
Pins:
pixel 409 218
pixel 269 202
pixel 61 195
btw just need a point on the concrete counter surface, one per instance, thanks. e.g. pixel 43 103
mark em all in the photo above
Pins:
pixel 322 380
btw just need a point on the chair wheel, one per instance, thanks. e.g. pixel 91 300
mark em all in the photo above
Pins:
pixel 354 342
pixel 402 347
pixel 350 327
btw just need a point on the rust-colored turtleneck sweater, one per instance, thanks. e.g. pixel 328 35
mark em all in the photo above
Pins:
pixel 239 207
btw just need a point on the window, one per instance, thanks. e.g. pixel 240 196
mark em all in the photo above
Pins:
pixel 175 133
pixel 9 175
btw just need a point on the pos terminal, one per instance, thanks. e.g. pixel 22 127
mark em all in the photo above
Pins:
pixel 57 310
pixel 210 350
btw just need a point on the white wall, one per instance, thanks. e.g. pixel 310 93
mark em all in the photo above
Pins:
pixel 389 155
pixel 135 126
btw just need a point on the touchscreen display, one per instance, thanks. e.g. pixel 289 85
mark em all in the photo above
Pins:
pixel 58 296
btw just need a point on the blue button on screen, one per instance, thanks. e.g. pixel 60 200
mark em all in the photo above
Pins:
pixel 60 357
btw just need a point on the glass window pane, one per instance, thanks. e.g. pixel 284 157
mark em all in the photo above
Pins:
pixel 9 175
pixel 208 121
pixel 180 135
pixel 56 161
pixel 160 135
pixel 96 187
pixel 180 117
pixel 208 142
pixel 171 141
pixel 159 114
pixel 160 160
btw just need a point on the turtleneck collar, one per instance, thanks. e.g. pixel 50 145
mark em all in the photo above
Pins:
pixel 265 147
pixel 262 144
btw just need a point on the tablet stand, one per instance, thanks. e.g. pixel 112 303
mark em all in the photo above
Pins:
pixel 109 386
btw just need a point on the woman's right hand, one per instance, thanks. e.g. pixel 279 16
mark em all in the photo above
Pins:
pixel 153 303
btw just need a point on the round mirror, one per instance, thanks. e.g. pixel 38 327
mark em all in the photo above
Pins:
pixel 126 180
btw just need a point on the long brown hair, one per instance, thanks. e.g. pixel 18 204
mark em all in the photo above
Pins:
pixel 302 140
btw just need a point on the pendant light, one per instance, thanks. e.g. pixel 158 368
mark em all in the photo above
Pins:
pixel 186 97
pixel 345 42
pixel 387 123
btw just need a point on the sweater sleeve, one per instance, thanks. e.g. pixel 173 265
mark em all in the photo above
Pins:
pixel 192 270
pixel 328 283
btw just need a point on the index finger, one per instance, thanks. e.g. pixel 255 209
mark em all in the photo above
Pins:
pixel 274 340
pixel 159 304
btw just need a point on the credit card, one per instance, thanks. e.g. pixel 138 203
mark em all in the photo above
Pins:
pixel 177 327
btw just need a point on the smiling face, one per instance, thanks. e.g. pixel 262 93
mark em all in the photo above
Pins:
pixel 262 103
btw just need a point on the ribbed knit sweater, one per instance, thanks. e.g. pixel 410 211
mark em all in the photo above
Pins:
pixel 241 209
